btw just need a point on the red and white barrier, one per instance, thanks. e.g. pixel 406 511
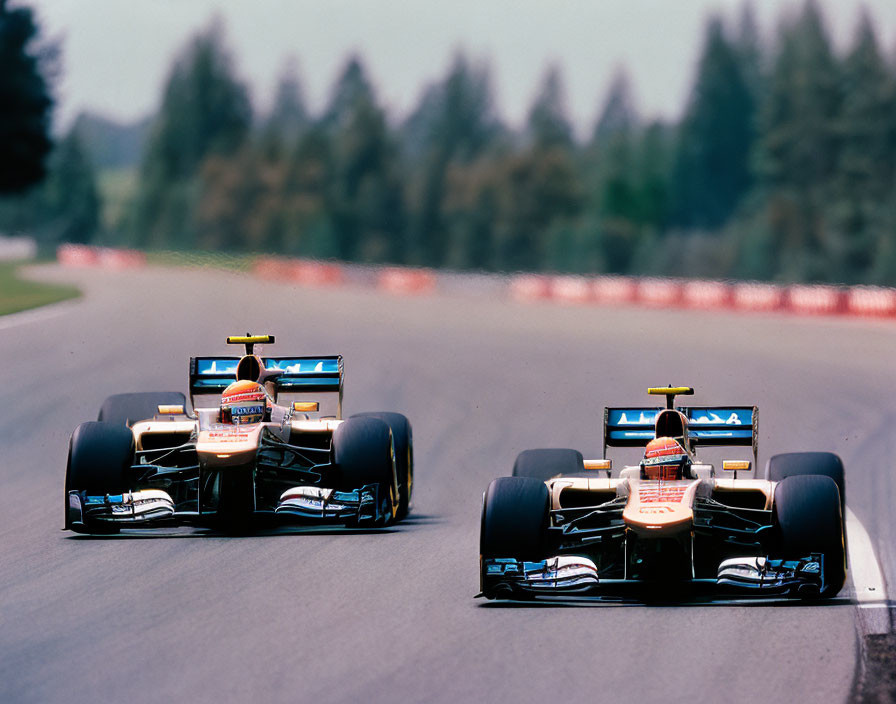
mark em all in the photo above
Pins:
pixel 271 268
pixel 529 287
pixel 77 255
pixel 815 300
pixel 121 258
pixel 82 255
pixel 659 293
pixel 571 289
pixel 305 272
pixel 311 273
pixel 406 281
pixel 801 299
pixel 706 295
pixel 609 290
pixel 871 301
pixel 757 297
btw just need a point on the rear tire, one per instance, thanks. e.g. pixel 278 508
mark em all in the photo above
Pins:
pixel 546 464
pixel 363 454
pixel 808 520
pixel 100 456
pixel 403 439
pixel 127 409
pixel 797 464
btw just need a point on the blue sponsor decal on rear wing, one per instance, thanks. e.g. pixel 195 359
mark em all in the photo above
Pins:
pixel 211 375
pixel 707 425
pixel 306 373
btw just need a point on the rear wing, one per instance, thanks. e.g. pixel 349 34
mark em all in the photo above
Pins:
pixel 708 426
pixel 297 377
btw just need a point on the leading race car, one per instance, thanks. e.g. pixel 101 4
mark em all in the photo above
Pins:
pixel 562 525
pixel 259 447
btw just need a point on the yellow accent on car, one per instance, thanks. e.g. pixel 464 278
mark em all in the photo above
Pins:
pixel 171 410
pixel 606 465
pixel 736 465
pixel 670 391
pixel 306 406
pixel 249 339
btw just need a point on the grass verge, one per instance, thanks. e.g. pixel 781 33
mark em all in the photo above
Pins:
pixel 17 294
pixel 202 260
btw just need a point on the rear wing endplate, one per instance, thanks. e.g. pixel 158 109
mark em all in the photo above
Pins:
pixel 708 426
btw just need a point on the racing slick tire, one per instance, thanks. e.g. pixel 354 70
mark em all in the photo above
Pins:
pixel 546 464
pixel 515 514
pixel 403 437
pixel 808 520
pixel 127 409
pixel 794 464
pixel 363 454
pixel 99 457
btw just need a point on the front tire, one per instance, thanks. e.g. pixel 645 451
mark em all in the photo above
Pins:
pixel 808 520
pixel 363 454
pixel 402 437
pixel 100 456
pixel 515 516
pixel 514 519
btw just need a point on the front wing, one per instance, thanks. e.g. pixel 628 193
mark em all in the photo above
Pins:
pixel 577 576
pixel 150 508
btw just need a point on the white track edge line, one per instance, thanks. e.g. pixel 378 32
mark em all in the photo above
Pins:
pixel 867 579
pixel 869 586
pixel 35 314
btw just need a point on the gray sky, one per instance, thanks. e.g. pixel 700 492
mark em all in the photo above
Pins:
pixel 117 53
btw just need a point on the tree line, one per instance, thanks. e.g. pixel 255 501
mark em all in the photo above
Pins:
pixel 782 167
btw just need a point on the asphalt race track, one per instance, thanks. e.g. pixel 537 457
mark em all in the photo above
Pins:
pixel 334 616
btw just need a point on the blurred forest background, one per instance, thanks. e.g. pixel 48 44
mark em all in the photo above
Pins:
pixel 782 166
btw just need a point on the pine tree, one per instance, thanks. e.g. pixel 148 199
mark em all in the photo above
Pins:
pixel 205 111
pixel 307 225
pixel 652 176
pixel 449 132
pixel 610 165
pixel 25 96
pixel 749 47
pixel 799 145
pixel 71 196
pixel 712 170
pixel 541 197
pixel 548 126
pixel 288 117
pixel 618 114
pixel 364 194
pixel 352 88
pixel 618 203
pixel 864 178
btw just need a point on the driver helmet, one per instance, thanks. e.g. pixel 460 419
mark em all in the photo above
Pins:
pixel 665 458
pixel 243 402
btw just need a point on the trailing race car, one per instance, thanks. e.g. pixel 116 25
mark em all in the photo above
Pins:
pixel 563 526
pixel 258 447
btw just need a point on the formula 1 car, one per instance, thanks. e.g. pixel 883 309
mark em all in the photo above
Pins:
pixel 148 462
pixel 563 526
